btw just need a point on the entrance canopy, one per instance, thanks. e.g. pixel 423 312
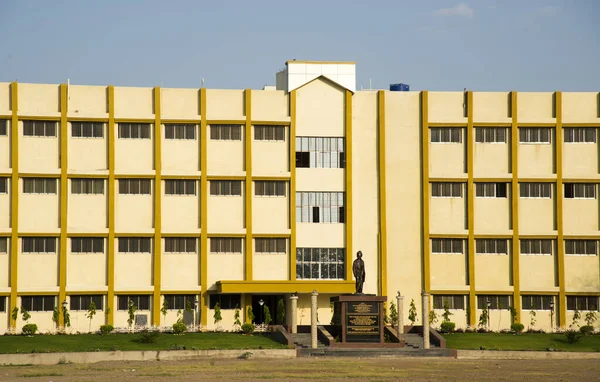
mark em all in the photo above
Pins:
pixel 285 286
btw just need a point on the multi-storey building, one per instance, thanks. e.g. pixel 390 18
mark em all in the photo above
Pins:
pixel 203 196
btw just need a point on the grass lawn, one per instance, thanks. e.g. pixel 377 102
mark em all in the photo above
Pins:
pixel 165 341
pixel 525 341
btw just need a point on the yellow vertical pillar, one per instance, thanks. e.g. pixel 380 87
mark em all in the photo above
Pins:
pixel 562 303
pixel 14 194
pixel 64 163
pixel 203 210
pixel 292 196
pixel 348 201
pixel 516 252
pixel 471 206
pixel 156 305
pixel 425 188
pixel 110 264
pixel 382 194
pixel 248 183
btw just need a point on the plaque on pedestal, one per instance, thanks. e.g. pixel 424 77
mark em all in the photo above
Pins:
pixel 359 318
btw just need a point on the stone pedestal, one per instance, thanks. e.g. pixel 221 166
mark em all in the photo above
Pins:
pixel 294 313
pixel 425 320
pixel 400 323
pixel 358 319
pixel 313 319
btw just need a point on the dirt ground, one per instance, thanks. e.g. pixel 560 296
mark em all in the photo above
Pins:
pixel 326 369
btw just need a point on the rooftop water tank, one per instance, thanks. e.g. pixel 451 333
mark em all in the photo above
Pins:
pixel 399 87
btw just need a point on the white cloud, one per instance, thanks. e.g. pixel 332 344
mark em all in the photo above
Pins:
pixel 461 9
pixel 549 10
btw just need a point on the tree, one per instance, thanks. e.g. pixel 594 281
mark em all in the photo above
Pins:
pixel 576 317
pixel 412 312
pixel 131 313
pixel 267 312
pixel 433 317
pixel 106 313
pixel 483 318
pixel 590 318
pixel 532 319
pixel 15 314
pixel 164 309
pixel 446 315
pixel 25 314
pixel 280 312
pixel 55 316
pixel 217 316
pixel 236 317
pixel 393 314
pixel 188 306
pixel 66 316
pixel 250 315
pixel 91 313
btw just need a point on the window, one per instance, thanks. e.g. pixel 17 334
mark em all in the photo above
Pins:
pixel 446 135
pixel 87 186
pixel 3 185
pixel 39 128
pixel 581 247
pixel 141 302
pixel 2 304
pixel 320 207
pixel 536 247
pixel 180 245
pixel 180 131
pixel 226 132
pixel 456 301
pixel 269 133
pixel 87 129
pixel 497 302
pixel 38 303
pixel 269 188
pixel 134 186
pixel 537 302
pixel 320 152
pixel 579 135
pixel 535 190
pixel 491 246
pixel 83 302
pixel 38 245
pixel 87 245
pixel 589 303
pixel 490 190
pixel 580 191
pixel 226 187
pixel 446 190
pixel 134 244
pixel 270 245
pixel 3 245
pixel 447 246
pixel 535 135
pixel 39 186
pixel 226 301
pixel 180 187
pixel 226 245
pixel 490 135
pixel 134 130
pixel 320 263
pixel 3 127
pixel 180 301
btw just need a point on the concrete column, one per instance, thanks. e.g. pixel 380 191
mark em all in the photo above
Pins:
pixel 425 320
pixel 400 305
pixel 313 319
pixel 294 313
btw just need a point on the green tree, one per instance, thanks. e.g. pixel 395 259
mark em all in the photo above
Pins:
pixel 66 316
pixel 483 317
pixel 15 314
pixel 532 319
pixel 590 318
pixel 217 316
pixel 55 316
pixel 267 312
pixel 513 314
pixel 91 312
pixel 412 312
pixel 576 317
pixel 280 312
pixel 25 314
pixel 188 306
pixel 250 315
pixel 106 313
pixel 433 317
pixel 393 314
pixel 236 317
pixel 131 308
pixel 164 309
pixel 446 315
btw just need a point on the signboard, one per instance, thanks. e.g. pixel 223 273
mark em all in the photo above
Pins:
pixel 362 322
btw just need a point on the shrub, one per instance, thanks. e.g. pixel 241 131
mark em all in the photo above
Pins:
pixel 280 312
pixel 179 327
pixel 29 329
pixel 586 330
pixel 393 314
pixel 248 328
pixel 147 337
pixel 572 336
pixel 412 312
pixel 268 318
pixel 447 327
pixel 517 327
pixel 106 329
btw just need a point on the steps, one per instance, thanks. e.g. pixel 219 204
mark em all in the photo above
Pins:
pixel 304 341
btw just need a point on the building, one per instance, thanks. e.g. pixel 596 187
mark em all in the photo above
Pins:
pixel 198 196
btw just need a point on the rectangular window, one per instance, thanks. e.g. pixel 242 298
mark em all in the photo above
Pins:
pixel 39 128
pixel 320 207
pixel 2 304
pixel 320 263
pixel 39 186
pixel 537 302
pixel 579 135
pixel 490 134
pixel 456 301
pixel 587 303
pixel 226 245
pixel 446 190
pixel 446 134
pixel 269 133
pixel 135 186
pixel 180 131
pixel 226 132
pixel 225 301
pixel 320 152
pixel 581 247
pixel 491 246
pixel 3 245
pixel 490 190
pixel 38 245
pixel 141 302
pixel 269 188
pixel 270 245
pixel 134 244
pixel 226 187
pixel 180 187
pixel 497 302
pixel 580 191
pixel 447 246
pixel 3 127
pixel 3 185
pixel 87 186
pixel 535 190
pixel 38 303
pixel 83 301
pixel 180 245
pixel 535 135
pixel 87 129
pixel 180 301
pixel 87 245
pixel 134 130
pixel 541 247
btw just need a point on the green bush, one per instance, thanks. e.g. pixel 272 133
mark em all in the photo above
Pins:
pixel 248 328
pixel 147 337
pixel 587 330
pixel 179 327
pixel 572 336
pixel 106 329
pixel 517 327
pixel 29 329
pixel 447 326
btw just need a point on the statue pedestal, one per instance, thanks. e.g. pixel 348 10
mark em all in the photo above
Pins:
pixel 358 319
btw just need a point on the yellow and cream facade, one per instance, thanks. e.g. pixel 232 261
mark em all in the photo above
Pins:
pixel 184 198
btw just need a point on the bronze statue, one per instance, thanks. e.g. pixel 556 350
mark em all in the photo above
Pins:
pixel 358 268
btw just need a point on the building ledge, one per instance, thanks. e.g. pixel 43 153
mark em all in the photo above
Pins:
pixel 285 286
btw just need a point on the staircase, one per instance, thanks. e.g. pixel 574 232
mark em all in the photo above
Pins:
pixel 303 341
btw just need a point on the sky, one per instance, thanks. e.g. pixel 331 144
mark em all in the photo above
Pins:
pixel 482 45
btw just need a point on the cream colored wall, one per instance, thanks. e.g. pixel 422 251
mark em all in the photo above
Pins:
pixel 320 109
pixel 225 266
pixel 230 222
pixel 271 158
pixel 38 212
pixel 180 103
pixel 447 159
pixel 270 105
pixel 80 323
pixel 536 215
pixel 270 214
pixel 39 100
pixel 535 107
pixel 491 160
pixel 225 104
pixel 134 156
pixel 226 324
pixel 86 271
pixel 320 235
pixel 5 98
pixel 4 317
pixel 459 317
pixel 88 101
pixel 5 149
pixel 580 160
pixel 87 213
pixel 498 319
pixel 226 157
pixel 134 103
pixel 447 215
pixel 181 156
pixel 582 274
pixel 43 320
pixel 542 320
pixel 580 216
pixel 580 107
pixel 87 155
pixel 448 271
pixel 133 271
pixel 447 107
pixel 537 273
pixel 5 269
pixel 180 213
pixel 133 213
pixel 180 271
pixel 38 272
pixel 491 107
pixel 320 179
pixel 121 316
pixel 269 266
pixel 536 160
pixel 492 272
pixel 492 215
pixel 39 154
pixel 5 209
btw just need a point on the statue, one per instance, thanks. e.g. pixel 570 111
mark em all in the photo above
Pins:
pixel 358 268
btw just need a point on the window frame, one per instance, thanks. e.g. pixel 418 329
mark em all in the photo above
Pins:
pixel 529 186
pixel 38 245
pixel 4 185
pixel 3 127
pixel 328 207
pixel 137 299
pixel 31 128
pixel 582 303
pixel 579 135
pixel 445 243
pixel 180 131
pixel 495 301
pixel 226 245
pixel 179 301
pixel 320 152
pixel 580 190
pixel 498 247
pixel 181 245
pixel 276 133
pixel 438 135
pixel 77 302
pixel 573 247
pixel 532 243
pixel 225 303
pixel 83 127
pixel 536 302
pixel 490 135
pixel 85 186
pixel 527 133
pixel 93 245
pixel 491 190
pixel 225 132
pixel 4 247
pixel 135 245
pixel 128 187
pixel 454 300
pixel 270 245
pixel 180 187
pixel 38 303
pixel 225 188
pixel 126 130
pixel 447 189
pixel 40 186
pixel 319 261
pixel 270 188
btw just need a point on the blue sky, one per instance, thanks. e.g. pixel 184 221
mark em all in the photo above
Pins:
pixel 527 45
